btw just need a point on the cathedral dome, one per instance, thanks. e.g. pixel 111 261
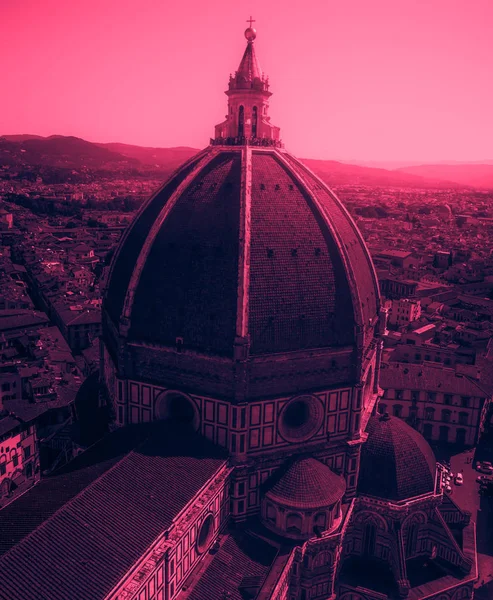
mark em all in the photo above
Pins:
pixel 307 484
pixel 243 253
pixel 397 463
pixel 213 256
pixel 304 499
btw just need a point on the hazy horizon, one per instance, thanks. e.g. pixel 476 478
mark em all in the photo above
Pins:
pixel 382 81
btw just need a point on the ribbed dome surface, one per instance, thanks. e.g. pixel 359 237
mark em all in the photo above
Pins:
pixel 307 484
pixel 396 461
pixel 277 261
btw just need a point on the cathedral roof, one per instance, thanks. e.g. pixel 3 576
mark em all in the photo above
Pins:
pixel 237 570
pixel 307 484
pixel 78 532
pixel 397 463
pixel 277 260
pixel 243 254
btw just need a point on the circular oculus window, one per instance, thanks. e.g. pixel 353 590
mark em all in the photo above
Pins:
pixel 206 532
pixel 301 418
pixel 177 408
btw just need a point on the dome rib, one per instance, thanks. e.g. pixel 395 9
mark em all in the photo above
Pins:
pixel 188 285
pixel 307 484
pixel 156 228
pixel 406 463
pixel 134 237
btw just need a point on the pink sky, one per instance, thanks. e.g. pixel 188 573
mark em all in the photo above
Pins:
pixel 352 79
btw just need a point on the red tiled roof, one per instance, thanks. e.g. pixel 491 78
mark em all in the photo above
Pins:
pixel 396 461
pixel 307 484
pixel 76 534
pixel 241 561
pixel 7 424
pixel 404 376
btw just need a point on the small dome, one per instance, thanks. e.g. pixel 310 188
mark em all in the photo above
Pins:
pixel 307 484
pixel 396 461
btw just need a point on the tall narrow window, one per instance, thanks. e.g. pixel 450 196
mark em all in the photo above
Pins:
pixel 254 122
pixel 294 523
pixel 241 122
pixel 412 539
pixel 369 537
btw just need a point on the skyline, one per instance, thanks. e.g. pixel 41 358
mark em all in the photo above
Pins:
pixel 104 73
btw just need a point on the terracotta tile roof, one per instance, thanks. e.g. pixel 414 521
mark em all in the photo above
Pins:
pixel 189 284
pixel 396 461
pixel 77 533
pixel 404 376
pixel 241 564
pixel 360 265
pixel 307 484
pixel 135 237
pixel 299 293
pixel 11 319
pixel 368 573
pixel 7 424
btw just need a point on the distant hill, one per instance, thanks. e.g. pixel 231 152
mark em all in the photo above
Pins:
pixel 60 151
pixel 26 151
pixel 469 174
pixel 166 158
pixel 337 173
pixel 21 137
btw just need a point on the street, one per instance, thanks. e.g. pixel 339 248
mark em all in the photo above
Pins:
pixel 467 497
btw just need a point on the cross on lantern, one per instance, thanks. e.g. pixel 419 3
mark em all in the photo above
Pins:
pixel 250 20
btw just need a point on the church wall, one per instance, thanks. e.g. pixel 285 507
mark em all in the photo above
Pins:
pixel 251 431
pixel 162 573
pixel 249 428
pixel 185 554
pixel 274 375
pixel 282 589
pixel 359 593
pixel 433 413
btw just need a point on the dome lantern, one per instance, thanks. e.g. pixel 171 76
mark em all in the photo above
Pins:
pixel 247 121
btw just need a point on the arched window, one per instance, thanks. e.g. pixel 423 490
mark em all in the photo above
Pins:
pixel 382 408
pixel 254 121
pixel 446 416
pixel 397 410
pixel 460 437
pixel 369 538
pixel 5 488
pixel 320 520
pixel 444 432
pixel 241 121
pixel 294 523
pixel 271 514
pixel 429 413
pixel 411 540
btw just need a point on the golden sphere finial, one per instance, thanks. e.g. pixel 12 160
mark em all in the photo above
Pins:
pixel 250 34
